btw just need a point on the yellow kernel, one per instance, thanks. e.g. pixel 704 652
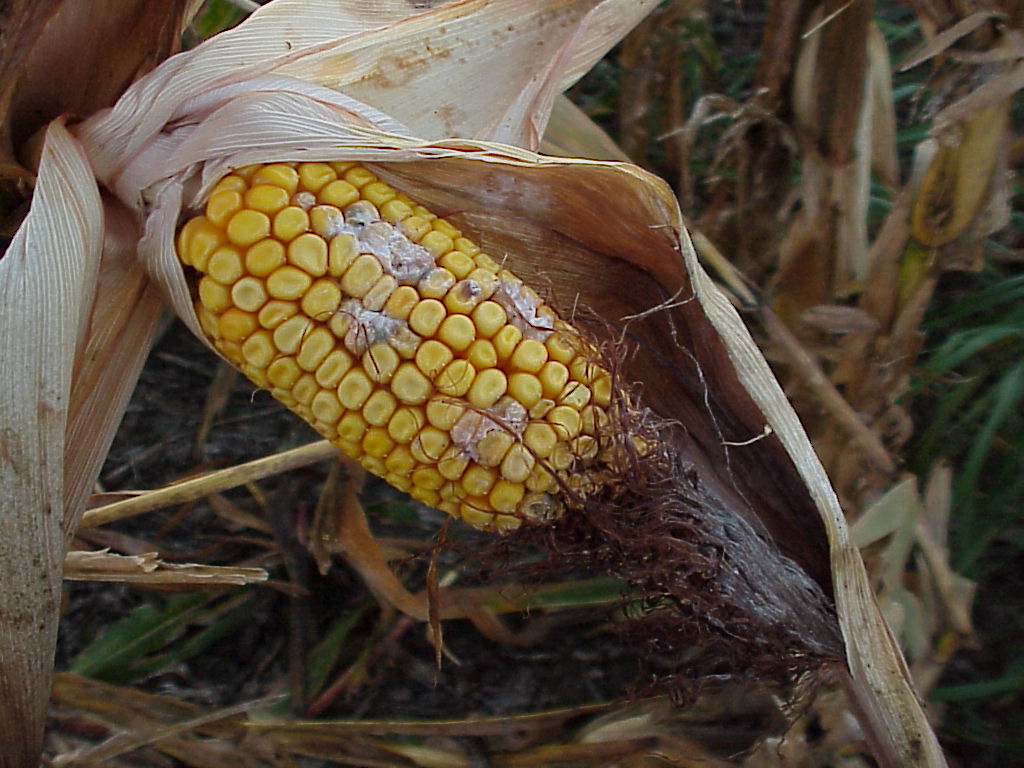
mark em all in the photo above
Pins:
pixel 505 342
pixel 401 302
pixel 325 407
pixel 207 321
pixel 409 385
pixel 492 447
pixel 467 247
pixel 400 481
pixel 553 377
pixel 338 193
pixel 264 257
pixel 430 498
pixel 476 515
pixel 258 349
pixel 436 283
pixel 530 356
pixel 379 408
pixel 487 280
pixel 322 299
pixel 289 335
pixel 443 413
pixel 489 318
pixel 457 331
pixel 486 262
pixel 482 355
pixel 315 347
pixel 477 480
pixel 313 176
pixel 225 265
pixel 375 298
pixel 429 445
pixel 283 372
pixel 541 408
pixel 565 420
pixel 222 205
pixel 305 388
pixel 327 221
pixel 395 211
pixel 246 171
pixel 341 252
pixel 214 296
pixel 235 325
pixel 525 388
pixel 330 372
pixel 249 294
pixel 373 464
pixel 517 464
pixel 540 438
pixel 504 523
pixel 456 262
pixel 230 183
pixel 406 424
pixel 247 227
pixel 428 478
pixel 341 166
pixel 351 427
pixel 602 389
pixel 266 198
pixel 290 222
pixel 585 447
pixel 400 460
pixel 488 386
pixel 426 317
pixel 354 388
pixel 562 457
pixel 443 227
pixel 380 362
pixel 378 193
pixel 352 449
pixel 561 347
pixel 415 227
pixel 276 312
pixel 377 444
pixel 308 252
pixel 575 395
pixel 540 479
pixel 584 370
pixel 278 174
pixel 405 342
pixel 432 356
pixel 463 296
pixel 453 463
pixel 288 283
pixel 197 240
pixel 594 420
pixel 456 379
pixel 340 323
pixel 359 176
pixel 505 496
pixel 284 396
pixel 360 277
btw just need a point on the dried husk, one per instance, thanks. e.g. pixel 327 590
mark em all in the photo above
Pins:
pixel 591 228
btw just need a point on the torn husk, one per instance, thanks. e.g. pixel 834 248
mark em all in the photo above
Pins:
pixel 729 520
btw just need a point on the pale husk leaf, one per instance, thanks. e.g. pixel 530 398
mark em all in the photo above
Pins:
pixel 490 70
pixel 45 279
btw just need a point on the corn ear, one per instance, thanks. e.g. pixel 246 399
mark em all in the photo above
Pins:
pixel 400 340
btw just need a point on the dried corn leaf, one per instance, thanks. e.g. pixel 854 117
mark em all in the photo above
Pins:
pixel 44 297
pixel 149 569
pixel 960 175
